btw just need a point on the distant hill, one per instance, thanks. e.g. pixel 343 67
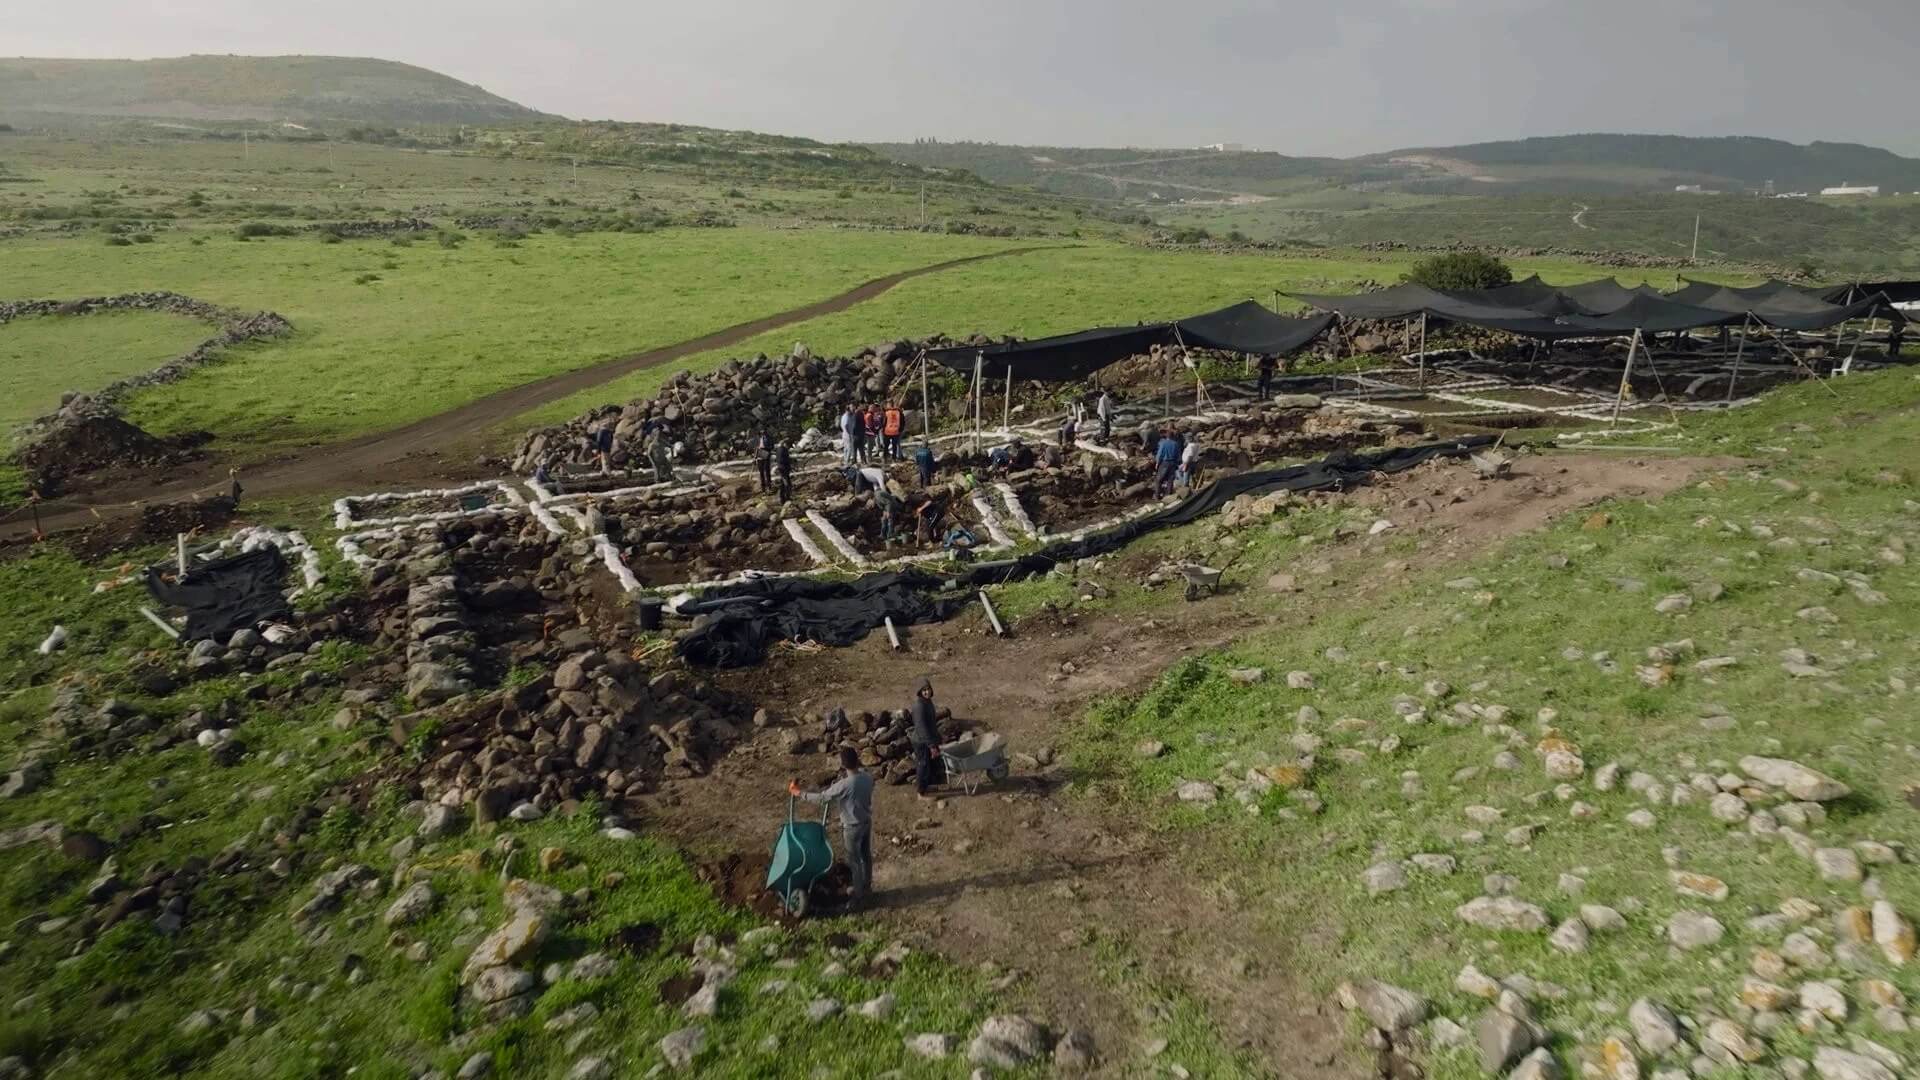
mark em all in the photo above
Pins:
pixel 294 89
pixel 1564 164
pixel 1657 163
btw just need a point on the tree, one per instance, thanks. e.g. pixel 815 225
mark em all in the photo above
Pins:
pixel 1460 270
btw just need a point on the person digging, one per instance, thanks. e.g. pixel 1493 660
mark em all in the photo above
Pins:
pixel 853 795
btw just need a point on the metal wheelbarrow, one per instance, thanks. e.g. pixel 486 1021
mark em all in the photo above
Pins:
pixel 1201 580
pixel 973 760
pixel 800 856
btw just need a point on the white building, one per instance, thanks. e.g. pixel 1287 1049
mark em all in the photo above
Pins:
pixel 1225 147
pixel 1847 189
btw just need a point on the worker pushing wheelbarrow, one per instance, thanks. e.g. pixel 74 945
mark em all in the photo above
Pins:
pixel 801 855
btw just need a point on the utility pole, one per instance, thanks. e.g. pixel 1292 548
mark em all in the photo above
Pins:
pixel 923 204
pixel 1696 239
pixel 246 145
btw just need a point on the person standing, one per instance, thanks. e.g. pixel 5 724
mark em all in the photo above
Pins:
pixel 1266 375
pixel 852 796
pixel 661 454
pixel 924 734
pixel 871 423
pixel 1103 408
pixel 1190 464
pixel 1146 436
pixel 923 461
pixel 763 458
pixel 1167 458
pixel 783 470
pixel 892 423
pixel 1069 428
pixel 850 436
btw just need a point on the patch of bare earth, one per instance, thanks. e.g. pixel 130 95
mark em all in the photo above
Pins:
pixel 1028 879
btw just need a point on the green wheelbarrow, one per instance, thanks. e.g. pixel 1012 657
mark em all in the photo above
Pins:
pixel 800 857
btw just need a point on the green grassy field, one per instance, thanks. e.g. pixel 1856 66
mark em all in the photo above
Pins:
pixel 1053 292
pixel 1815 494
pixel 43 357
pixel 387 334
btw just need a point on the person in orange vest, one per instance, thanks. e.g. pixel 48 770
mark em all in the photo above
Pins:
pixel 892 423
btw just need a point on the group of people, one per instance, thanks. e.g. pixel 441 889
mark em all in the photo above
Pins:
pixel 851 794
pixel 869 432
pixel 1176 458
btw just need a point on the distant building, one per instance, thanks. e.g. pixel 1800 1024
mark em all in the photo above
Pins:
pixel 1225 147
pixel 1694 189
pixel 1767 188
pixel 1849 189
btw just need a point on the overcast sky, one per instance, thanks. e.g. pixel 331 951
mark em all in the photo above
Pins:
pixel 1325 77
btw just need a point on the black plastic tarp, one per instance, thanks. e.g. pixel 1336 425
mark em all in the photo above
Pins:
pixel 1405 301
pixel 1792 309
pixel 1247 327
pixel 735 625
pixel 225 595
pixel 1898 292
pixel 1654 315
pixel 1061 358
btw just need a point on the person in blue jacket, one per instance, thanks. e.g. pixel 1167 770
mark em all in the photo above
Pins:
pixel 1167 459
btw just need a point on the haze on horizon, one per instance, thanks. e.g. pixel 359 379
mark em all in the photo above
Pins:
pixel 1346 78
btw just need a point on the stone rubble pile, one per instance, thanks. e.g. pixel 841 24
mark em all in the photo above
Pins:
pixel 717 415
pixel 599 726
pixel 881 738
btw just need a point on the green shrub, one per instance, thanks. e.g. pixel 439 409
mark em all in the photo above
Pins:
pixel 1460 270
pixel 119 241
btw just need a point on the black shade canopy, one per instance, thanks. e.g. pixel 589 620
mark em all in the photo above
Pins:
pixel 1247 327
pixel 1061 358
pixel 1244 327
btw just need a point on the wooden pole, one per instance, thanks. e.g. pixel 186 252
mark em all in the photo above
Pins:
pixel 180 550
pixel 1624 373
pixel 1423 350
pixel 979 385
pixel 1166 376
pixel 1006 406
pixel 1738 353
pixel 926 401
pixel 1846 366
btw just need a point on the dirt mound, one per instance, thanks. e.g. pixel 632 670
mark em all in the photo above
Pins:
pixel 85 438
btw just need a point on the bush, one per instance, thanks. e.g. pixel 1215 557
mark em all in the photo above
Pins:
pixel 261 228
pixel 1460 270
pixel 119 241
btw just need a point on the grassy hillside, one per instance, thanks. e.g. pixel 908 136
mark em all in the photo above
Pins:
pixel 1564 163
pixel 1656 161
pixel 263 88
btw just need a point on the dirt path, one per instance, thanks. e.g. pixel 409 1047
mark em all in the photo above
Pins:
pixel 1055 887
pixel 419 451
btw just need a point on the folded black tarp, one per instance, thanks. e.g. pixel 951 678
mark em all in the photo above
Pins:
pixel 234 593
pixel 1247 327
pixel 735 625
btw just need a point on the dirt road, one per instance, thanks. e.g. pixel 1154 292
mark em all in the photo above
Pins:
pixel 421 450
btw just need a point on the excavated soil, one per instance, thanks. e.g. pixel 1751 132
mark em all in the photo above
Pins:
pixel 1027 878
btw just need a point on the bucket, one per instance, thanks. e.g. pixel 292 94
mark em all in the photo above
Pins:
pixel 650 610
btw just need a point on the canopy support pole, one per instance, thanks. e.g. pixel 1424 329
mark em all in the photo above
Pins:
pixel 1846 366
pixel 1625 372
pixel 979 362
pixel 1423 350
pixel 1199 384
pixel 926 401
pixel 1734 379
pixel 1166 377
pixel 1006 405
